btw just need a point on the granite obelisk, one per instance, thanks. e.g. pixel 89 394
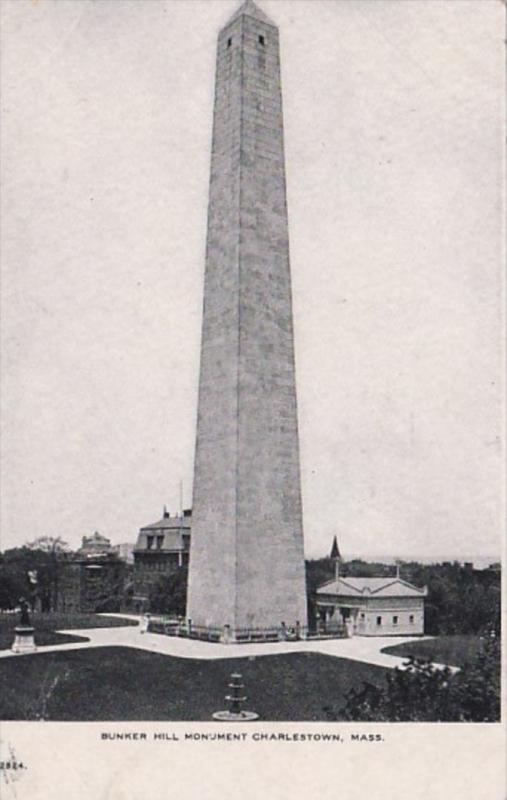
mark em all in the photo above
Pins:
pixel 247 560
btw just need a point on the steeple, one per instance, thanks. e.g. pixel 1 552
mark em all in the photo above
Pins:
pixel 249 9
pixel 336 556
pixel 335 550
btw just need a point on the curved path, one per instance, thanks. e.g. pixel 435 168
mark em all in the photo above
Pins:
pixel 365 649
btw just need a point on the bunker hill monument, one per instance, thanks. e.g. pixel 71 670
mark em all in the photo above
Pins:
pixel 247 568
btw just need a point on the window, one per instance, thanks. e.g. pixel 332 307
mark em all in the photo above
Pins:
pixel 229 42
pixel 362 615
pixel 262 40
pixel 411 619
pixel 160 542
pixel 395 620
pixel 379 620
pixel 149 542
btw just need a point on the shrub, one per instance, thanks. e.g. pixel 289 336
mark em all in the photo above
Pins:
pixel 424 693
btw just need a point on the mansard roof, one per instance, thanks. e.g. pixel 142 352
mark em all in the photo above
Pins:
pixel 168 523
pixel 172 541
pixel 174 530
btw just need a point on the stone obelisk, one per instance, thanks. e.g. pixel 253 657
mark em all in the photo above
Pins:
pixel 247 561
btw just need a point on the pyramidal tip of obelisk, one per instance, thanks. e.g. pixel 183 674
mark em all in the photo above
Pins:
pixel 250 9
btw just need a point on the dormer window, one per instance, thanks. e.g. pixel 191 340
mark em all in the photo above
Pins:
pixel 149 542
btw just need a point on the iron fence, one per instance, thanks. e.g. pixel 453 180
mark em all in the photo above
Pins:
pixel 171 626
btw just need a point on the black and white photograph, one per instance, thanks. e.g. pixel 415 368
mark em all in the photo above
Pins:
pixel 252 393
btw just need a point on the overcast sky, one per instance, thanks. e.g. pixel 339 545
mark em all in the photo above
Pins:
pixel 393 121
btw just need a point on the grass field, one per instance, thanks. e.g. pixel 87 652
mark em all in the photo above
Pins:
pixel 452 650
pixel 115 683
pixel 46 624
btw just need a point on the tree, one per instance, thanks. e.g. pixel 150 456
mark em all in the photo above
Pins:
pixel 54 547
pixel 12 584
pixel 169 594
pixel 424 693
pixel 32 571
pixel 460 600
pixel 49 544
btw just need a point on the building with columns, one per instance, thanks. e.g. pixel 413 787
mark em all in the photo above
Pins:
pixel 371 606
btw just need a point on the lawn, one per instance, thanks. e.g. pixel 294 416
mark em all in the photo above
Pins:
pixel 452 650
pixel 119 684
pixel 46 624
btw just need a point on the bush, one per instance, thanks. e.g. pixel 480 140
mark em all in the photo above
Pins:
pixel 424 693
pixel 169 594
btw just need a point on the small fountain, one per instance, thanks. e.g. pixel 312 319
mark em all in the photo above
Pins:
pixel 24 633
pixel 235 699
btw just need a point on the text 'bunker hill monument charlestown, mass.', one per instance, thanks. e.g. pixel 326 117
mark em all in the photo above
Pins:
pixel 246 570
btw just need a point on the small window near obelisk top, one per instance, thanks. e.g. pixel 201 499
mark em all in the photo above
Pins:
pixel 262 40
pixel 229 42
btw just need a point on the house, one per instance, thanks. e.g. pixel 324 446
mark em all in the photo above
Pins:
pixel 371 606
pixel 125 551
pixel 161 548
pixel 95 544
pixel 92 579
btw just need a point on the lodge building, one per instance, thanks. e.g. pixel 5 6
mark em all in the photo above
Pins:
pixel 371 606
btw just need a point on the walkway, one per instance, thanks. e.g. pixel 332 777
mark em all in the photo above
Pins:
pixel 367 650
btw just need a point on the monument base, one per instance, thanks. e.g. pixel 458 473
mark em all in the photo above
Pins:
pixel 226 634
pixel 24 640
pixel 229 635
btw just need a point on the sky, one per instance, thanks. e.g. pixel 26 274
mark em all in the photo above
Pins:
pixel 394 143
